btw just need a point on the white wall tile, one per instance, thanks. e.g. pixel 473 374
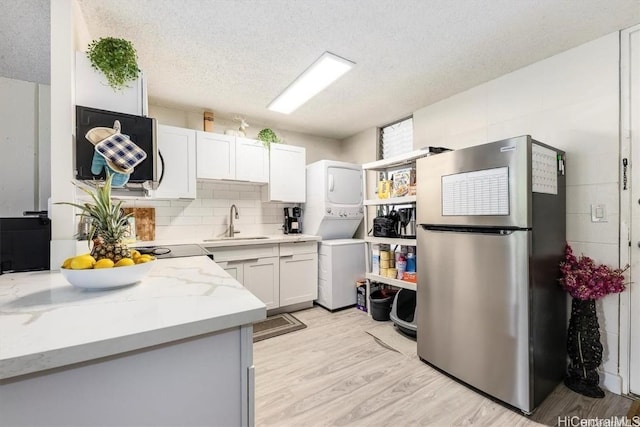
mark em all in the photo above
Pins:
pixel 581 229
pixel 584 72
pixel 592 168
pixel 602 253
pixel 581 197
pixel 515 94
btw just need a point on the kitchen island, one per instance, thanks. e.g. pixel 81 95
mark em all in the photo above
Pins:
pixel 173 349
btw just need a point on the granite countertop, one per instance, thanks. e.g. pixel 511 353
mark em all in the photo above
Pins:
pixel 47 323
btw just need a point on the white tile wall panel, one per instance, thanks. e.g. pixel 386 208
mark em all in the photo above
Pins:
pixel 603 253
pixel 581 229
pixel 532 124
pixel 457 140
pixel 591 168
pixel 581 197
pixel 584 72
pixel 515 94
pixel 469 110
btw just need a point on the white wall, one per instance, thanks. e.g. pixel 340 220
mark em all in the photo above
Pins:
pixel 19 144
pixel 569 101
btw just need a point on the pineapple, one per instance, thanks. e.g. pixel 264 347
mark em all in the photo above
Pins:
pixel 108 224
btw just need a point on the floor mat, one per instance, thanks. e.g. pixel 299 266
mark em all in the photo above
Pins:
pixel 273 326
pixel 390 337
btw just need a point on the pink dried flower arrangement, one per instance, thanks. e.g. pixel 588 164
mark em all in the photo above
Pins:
pixel 584 280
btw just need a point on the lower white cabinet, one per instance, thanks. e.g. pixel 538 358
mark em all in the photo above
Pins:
pixel 279 275
pixel 298 272
pixel 257 267
pixel 177 147
pixel 261 277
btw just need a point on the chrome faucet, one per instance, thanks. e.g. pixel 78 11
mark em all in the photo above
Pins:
pixel 232 231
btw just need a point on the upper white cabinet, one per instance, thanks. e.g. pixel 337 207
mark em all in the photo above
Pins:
pixel 92 90
pixel 177 147
pixel 216 156
pixel 287 174
pixel 252 161
pixel 231 158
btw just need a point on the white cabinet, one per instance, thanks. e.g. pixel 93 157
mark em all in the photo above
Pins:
pixel 257 267
pixel 177 147
pixel 215 155
pixel 279 275
pixel 231 158
pixel 287 174
pixel 298 272
pixel 252 161
pixel 261 277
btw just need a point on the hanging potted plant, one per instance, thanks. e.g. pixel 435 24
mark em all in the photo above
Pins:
pixel 586 282
pixel 267 136
pixel 116 59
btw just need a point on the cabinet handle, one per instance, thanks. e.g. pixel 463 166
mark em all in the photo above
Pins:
pixel 242 261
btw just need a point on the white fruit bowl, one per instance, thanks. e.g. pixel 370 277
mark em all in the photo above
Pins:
pixel 107 278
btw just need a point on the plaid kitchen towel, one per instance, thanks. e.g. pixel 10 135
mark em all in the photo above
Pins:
pixel 119 149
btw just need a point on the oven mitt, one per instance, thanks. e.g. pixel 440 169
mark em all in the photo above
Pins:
pixel 100 164
pixel 117 148
pixel 99 134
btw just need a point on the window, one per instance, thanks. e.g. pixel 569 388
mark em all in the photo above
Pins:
pixel 396 139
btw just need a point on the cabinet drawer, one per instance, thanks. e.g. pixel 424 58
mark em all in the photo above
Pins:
pixel 294 248
pixel 231 253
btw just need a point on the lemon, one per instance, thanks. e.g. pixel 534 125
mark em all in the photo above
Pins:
pixel 134 254
pixel 104 263
pixel 124 262
pixel 82 262
pixel 67 263
pixel 144 258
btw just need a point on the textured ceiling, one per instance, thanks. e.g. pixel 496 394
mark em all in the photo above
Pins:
pixel 235 56
pixel 25 40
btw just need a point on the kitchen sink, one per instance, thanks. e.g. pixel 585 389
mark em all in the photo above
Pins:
pixel 217 239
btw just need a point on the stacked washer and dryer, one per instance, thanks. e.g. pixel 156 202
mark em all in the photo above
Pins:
pixel 334 211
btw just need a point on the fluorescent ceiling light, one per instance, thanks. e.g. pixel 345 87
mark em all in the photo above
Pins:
pixel 327 69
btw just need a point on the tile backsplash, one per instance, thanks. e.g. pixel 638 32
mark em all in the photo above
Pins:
pixel 208 215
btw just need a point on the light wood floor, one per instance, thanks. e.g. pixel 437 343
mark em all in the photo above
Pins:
pixel 335 374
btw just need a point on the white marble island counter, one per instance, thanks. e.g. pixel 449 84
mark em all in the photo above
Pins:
pixel 186 319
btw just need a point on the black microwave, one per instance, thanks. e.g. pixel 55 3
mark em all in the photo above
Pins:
pixel 92 135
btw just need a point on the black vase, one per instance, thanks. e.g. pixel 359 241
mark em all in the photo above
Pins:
pixel 584 349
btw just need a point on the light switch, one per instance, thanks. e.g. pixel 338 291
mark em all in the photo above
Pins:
pixel 598 213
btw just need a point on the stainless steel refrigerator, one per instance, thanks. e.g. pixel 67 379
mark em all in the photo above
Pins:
pixel 490 310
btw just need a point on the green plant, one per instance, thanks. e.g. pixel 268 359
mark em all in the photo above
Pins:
pixel 267 136
pixel 116 59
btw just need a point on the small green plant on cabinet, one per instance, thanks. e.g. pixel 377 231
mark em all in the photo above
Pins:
pixel 116 59
pixel 267 136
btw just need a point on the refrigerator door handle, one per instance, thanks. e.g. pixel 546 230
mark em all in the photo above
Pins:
pixel 477 230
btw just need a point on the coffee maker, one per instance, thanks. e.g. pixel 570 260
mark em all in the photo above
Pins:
pixel 292 223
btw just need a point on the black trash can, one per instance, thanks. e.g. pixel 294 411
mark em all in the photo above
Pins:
pixel 380 304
